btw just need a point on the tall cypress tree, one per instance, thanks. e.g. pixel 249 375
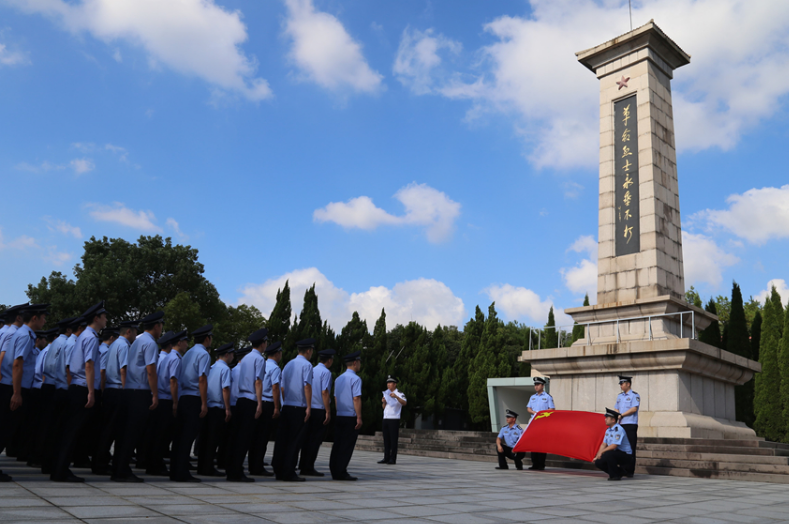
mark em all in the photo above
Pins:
pixel 551 338
pixel 489 362
pixel 767 403
pixel 738 342
pixel 578 331
pixel 783 358
pixel 457 381
pixel 278 324
pixel 756 335
pixel 711 334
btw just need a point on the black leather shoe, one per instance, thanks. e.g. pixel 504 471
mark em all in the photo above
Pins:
pixel 295 478
pixel 5 478
pixel 532 468
pixel 347 477
pixel 614 478
pixel 242 478
pixel 69 478
pixel 312 473
pixel 383 461
pixel 131 478
pixel 499 467
pixel 262 473
pixel 629 476
pixel 190 478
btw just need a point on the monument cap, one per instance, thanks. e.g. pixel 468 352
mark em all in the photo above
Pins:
pixel 511 414
pixel 611 413
pixel 539 380
pixel 623 379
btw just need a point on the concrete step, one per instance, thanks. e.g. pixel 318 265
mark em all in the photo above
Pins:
pixel 724 450
pixel 714 457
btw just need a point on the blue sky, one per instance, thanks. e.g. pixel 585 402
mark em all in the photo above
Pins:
pixel 420 156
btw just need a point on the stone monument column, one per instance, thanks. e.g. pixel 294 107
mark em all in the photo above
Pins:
pixel 642 325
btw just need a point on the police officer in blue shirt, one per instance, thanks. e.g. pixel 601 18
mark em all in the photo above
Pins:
pixel 35 438
pixel 81 396
pixel 540 401
pixel 77 327
pixel 14 320
pixel 219 414
pixel 272 398
pixel 226 445
pixel 249 406
pixel 615 452
pixel 320 415
pixel 113 405
pixel 296 388
pixel 22 432
pixel 628 403
pixel 192 402
pixel 348 399
pixel 508 436
pixel 157 437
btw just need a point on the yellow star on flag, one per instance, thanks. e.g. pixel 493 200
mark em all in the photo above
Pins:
pixel 544 414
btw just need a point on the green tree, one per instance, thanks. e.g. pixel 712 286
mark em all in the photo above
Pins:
pixel 551 337
pixel 60 293
pixel 711 334
pixel 738 342
pixel 356 337
pixel 752 307
pixel 489 362
pixel 238 324
pixel 278 324
pixel 183 313
pixel 458 381
pixel 417 372
pixel 309 325
pixel 767 404
pixel 756 334
pixel 578 331
pixel 692 297
pixel 783 358
pixel 723 305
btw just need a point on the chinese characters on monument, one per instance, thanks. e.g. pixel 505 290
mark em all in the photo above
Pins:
pixel 627 235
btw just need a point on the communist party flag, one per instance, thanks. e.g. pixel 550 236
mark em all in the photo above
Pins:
pixel 574 434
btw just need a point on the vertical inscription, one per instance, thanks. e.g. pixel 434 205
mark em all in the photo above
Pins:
pixel 628 239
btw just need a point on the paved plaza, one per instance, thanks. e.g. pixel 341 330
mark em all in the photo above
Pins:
pixel 417 490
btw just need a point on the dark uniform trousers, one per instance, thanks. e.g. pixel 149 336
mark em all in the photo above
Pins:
pixel 113 417
pixel 138 403
pixel 313 438
pixel 86 443
pixel 242 437
pixel 507 453
pixel 631 430
pixel 6 392
pixel 162 423
pixel 223 453
pixel 538 460
pixel 212 434
pixel 188 425
pixel 20 429
pixel 391 431
pixel 53 419
pixel 289 441
pixel 260 438
pixel 613 462
pixel 345 436
pixel 46 397
pixel 76 416
pixel 33 424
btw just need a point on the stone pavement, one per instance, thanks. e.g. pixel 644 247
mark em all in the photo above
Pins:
pixel 417 490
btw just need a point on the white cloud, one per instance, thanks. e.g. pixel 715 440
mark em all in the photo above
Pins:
pixel 57 258
pixel 522 304
pixel 418 58
pixel 21 242
pixel 173 224
pixel 82 165
pixel 738 77
pixel 758 215
pixel 582 278
pixel 324 51
pixel 117 56
pixel 424 206
pixel 193 37
pixel 780 286
pixel 704 260
pixel 43 167
pixel 425 301
pixel 10 58
pixel 120 214
pixel 63 227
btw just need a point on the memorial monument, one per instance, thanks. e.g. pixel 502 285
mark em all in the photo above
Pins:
pixel 642 325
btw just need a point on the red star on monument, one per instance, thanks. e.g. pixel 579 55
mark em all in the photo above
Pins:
pixel 622 83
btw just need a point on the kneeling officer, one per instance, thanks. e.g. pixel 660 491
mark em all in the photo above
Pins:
pixel 506 440
pixel 615 452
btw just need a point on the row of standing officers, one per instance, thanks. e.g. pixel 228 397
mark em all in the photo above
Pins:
pixel 68 394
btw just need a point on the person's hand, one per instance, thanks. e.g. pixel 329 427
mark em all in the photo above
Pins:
pixel 358 422
pixel 154 403
pixel 203 410
pixel 258 411
pixel 91 400
pixel 175 409
pixel 276 413
pixel 307 416
pixel 597 457
pixel 500 449
pixel 327 419
pixel 228 414
pixel 16 401
pixel 392 395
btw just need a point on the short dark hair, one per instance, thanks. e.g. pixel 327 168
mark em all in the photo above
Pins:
pixel 64 329
pixel 324 358
pixel 199 339
pixel 28 315
pixel 256 345
pixel 106 336
pixel 150 326
pixel 125 330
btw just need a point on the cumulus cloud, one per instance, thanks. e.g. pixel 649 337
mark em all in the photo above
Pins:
pixel 324 51
pixel 758 215
pixel 523 304
pixel 426 301
pixel 82 165
pixel 582 278
pixel 120 214
pixel 424 206
pixel 43 167
pixel 22 242
pixel 57 258
pixel 11 58
pixel 418 58
pixel 193 37
pixel 780 286
pixel 704 260
pixel 737 77
pixel 63 227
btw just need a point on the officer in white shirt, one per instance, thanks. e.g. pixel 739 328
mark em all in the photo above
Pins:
pixel 392 401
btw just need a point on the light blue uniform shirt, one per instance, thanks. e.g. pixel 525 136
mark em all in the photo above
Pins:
pixel 38 377
pixel 8 332
pixel 3 329
pixel 162 378
pixel 251 368
pixel 625 401
pixel 8 363
pixel 195 364
pixel 296 375
pixel 174 369
pixel 273 376
pixel 103 356
pixel 234 374
pixel 116 359
pixel 143 352
pixel 346 387
pixel 85 350
pixel 218 379
pixel 70 343
pixel 321 381
pixel 55 363
pixel 22 344
pixel 510 435
pixel 540 402
pixel 616 435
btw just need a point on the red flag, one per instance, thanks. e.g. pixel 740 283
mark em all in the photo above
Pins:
pixel 574 434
